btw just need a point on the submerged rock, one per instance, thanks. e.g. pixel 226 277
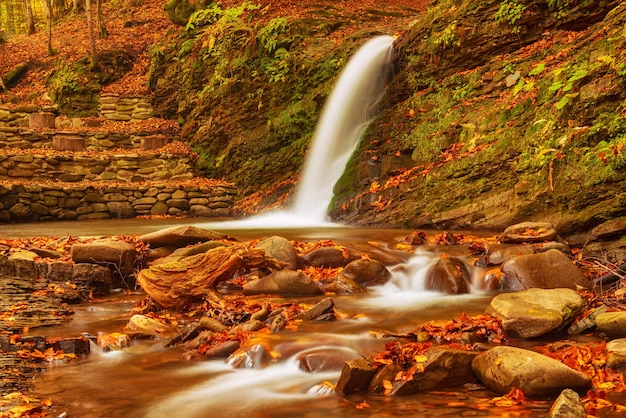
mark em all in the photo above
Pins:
pixel 503 368
pixel 534 312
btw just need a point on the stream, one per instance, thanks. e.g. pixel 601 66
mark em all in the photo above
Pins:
pixel 151 380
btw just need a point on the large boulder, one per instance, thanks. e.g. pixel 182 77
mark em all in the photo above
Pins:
pixel 504 368
pixel 548 270
pixel 118 254
pixel 448 275
pixel 281 249
pixel 284 283
pixel 534 312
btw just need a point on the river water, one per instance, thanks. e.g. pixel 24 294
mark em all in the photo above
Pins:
pixel 151 380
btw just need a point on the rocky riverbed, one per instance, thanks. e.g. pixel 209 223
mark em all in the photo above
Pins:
pixel 553 308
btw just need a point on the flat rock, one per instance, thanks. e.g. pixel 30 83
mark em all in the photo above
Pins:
pixel 120 254
pixel 180 236
pixel 534 312
pixel 528 232
pixel 504 368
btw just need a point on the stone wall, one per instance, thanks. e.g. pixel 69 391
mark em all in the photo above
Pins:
pixel 24 138
pixel 18 116
pixel 76 166
pixel 114 107
pixel 19 203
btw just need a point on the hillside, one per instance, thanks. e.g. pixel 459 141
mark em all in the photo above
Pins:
pixel 502 111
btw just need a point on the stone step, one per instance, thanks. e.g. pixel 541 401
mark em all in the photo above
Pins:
pixel 175 161
pixel 27 202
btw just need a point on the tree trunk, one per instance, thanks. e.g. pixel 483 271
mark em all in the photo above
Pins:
pixel 30 21
pixel 13 76
pixel 92 38
pixel 101 25
pixel 47 6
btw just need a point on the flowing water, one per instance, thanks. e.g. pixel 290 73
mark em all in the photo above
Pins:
pixel 150 380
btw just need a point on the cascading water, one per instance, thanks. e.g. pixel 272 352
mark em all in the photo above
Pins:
pixel 351 107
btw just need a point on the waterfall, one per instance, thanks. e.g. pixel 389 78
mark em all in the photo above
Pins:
pixel 351 107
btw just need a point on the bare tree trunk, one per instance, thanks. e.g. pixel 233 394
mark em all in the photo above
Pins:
pixel 92 38
pixel 47 6
pixel 30 21
pixel 101 25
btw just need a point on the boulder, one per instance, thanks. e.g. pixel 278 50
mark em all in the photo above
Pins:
pixel 366 272
pixel 281 249
pixel 92 278
pixel 448 275
pixel 284 283
pixel 568 405
pixel 616 350
pixel 534 312
pixel 504 368
pixel 325 358
pixel 341 285
pixel 118 254
pixel 355 377
pixel 180 236
pixel 612 324
pixel 441 368
pixel 548 270
pixel 329 257
pixel 528 232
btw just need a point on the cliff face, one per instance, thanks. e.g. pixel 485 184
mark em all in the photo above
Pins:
pixel 494 120
pixel 502 111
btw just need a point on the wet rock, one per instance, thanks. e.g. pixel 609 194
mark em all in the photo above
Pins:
pixel 414 238
pixel 568 405
pixel 355 377
pixel 612 324
pixel 341 285
pixel 92 278
pixel 256 356
pixel 329 257
pixel 284 283
pixel 211 324
pixel 180 236
pixel 449 275
pixel 548 270
pixel 534 312
pixel 383 376
pixel 443 368
pixel 141 324
pixel 325 359
pixel 119 254
pixel 503 368
pixel 79 346
pixel 366 272
pixel 322 311
pixel 616 350
pixel 249 326
pixel 223 349
pixel 528 232
pixel 586 322
pixel 281 249
pixel 499 253
pixel 113 342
